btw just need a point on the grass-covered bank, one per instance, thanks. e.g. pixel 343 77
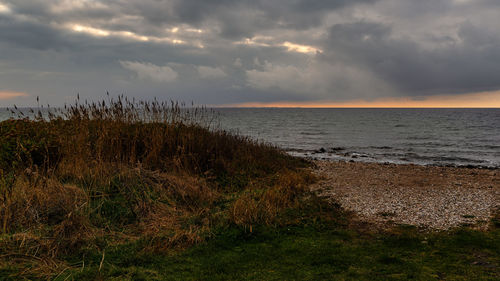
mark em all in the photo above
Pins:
pixel 135 190
pixel 317 250
pixel 94 176
pixel 319 244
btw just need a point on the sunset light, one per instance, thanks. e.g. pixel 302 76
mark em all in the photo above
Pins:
pixel 249 140
pixel 4 8
pixel 476 100
pixel 6 95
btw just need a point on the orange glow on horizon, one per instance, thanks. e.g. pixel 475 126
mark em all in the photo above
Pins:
pixel 475 100
pixel 6 95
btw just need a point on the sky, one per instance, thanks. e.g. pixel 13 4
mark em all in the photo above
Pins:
pixel 312 53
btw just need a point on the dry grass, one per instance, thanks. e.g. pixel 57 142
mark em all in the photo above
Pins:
pixel 120 170
pixel 263 206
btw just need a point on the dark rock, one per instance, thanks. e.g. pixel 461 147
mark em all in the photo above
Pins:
pixel 321 150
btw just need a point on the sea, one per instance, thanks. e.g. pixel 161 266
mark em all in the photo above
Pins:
pixel 442 137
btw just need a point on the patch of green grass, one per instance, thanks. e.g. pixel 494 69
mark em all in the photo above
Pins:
pixel 320 250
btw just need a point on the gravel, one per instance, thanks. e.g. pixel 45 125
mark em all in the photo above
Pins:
pixel 430 197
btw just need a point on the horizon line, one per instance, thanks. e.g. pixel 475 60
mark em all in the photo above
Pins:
pixel 357 107
pixel 295 107
pixel 477 100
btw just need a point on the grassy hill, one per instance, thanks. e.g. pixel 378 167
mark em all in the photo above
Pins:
pixel 147 190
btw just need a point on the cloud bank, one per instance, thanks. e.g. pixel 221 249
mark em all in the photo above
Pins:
pixel 229 52
pixel 149 71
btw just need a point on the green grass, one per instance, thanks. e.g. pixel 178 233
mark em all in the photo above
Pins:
pixel 312 249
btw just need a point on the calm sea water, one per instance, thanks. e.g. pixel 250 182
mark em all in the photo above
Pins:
pixel 459 137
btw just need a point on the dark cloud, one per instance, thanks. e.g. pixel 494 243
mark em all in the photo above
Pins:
pixel 469 63
pixel 222 51
pixel 29 34
pixel 236 19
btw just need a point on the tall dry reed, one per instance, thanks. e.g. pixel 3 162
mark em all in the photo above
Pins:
pixel 134 168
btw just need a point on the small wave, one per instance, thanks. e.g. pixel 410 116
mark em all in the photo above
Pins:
pixel 450 159
pixel 418 138
pixel 489 146
pixel 429 143
pixel 441 161
pixel 381 147
pixel 336 149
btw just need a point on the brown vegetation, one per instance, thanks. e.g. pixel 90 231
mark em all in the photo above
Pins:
pixel 97 174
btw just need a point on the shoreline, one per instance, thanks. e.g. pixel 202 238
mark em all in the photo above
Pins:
pixel 313 156
pixel 432 197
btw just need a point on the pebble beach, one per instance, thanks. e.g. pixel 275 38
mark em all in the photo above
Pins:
pixel 429 197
